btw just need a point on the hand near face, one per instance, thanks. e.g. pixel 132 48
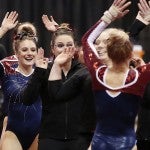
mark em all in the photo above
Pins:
pixel 65 56
pixel 136 62
pixel 50 24
pixel 41 61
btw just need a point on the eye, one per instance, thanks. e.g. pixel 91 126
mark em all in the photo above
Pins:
pixel 60 45
pixel 33 49
pixel 24 49
pixel 97 42
pixel 69 45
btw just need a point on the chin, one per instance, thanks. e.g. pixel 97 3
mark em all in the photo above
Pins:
pixel 30 64
pixel 102 58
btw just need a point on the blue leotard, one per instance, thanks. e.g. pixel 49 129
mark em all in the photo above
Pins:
pixel 23 120
pixel 115 121
pixel 115 113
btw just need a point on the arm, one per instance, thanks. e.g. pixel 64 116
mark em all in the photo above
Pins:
pixel 64 57
pixel 117 10
pixel 63 91
pixel 59 88
pixel 144 17
pixel 88 115
pixel 144 11
pixel 88 109
pixel 141 21
pixel 9 22
pixel 135 29
pixel 138 25
pixel 145 102
pixel 34 87
pixel 50 24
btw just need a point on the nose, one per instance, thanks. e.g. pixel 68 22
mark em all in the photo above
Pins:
pixel 29 52
pixel 65 46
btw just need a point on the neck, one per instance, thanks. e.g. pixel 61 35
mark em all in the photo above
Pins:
pixel 123 67
pixel 25 71
pixel 66 67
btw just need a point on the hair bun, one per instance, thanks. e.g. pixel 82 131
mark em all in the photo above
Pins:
pixel 25 32
pixel 64 26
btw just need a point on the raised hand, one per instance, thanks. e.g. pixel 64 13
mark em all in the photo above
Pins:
pixel 65 56
pixel 50 24
pixel 40 60
pixel 117 10
pixel 121 6
pixel 9 21
pixel 144 10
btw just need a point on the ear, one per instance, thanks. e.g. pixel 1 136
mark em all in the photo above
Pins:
pixel 52 47
pixel 132 54
pixel 52 50
pixel 16 52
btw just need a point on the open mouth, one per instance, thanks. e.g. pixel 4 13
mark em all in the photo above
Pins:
pixel 28 59
pixel 100 53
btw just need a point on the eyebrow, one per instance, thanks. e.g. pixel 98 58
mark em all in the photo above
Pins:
pixel 67 42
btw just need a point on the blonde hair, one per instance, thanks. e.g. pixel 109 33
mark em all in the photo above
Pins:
pixel 63 29
pixel 119 46
pixel 22 32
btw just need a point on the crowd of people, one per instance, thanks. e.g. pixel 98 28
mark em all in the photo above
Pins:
pixel 85 96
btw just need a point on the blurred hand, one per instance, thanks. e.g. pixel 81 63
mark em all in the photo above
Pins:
pixel 117 10
pixel 136 62
pixel 144 10
pixel 41 61
pixel 50 24
pixel 120 7
pixel 9 21
pixel 65 56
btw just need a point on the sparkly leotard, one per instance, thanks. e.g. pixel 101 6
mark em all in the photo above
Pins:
pixel 115 113
pixel 23 120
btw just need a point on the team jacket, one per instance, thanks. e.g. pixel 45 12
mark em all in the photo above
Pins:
pixel 68 104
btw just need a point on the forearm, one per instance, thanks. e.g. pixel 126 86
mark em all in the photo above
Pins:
pixel 135 29
pixel 55 73
pixel 2 31
pixel 33 89
pixel 65 90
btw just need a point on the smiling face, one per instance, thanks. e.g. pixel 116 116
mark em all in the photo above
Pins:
pixel 61 42
pixel 113 45
pixel 26 53
pixel 101 46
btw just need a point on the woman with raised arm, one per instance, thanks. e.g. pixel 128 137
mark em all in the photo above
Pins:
pixel 23 122
pixel 143 124
pixel 65 99
pixel 8 23
pixel 117 88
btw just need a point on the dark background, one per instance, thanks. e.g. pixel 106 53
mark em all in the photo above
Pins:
pixel 81 14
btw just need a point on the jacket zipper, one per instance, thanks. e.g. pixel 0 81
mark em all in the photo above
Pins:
pixel 66 121
pixel 66 117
